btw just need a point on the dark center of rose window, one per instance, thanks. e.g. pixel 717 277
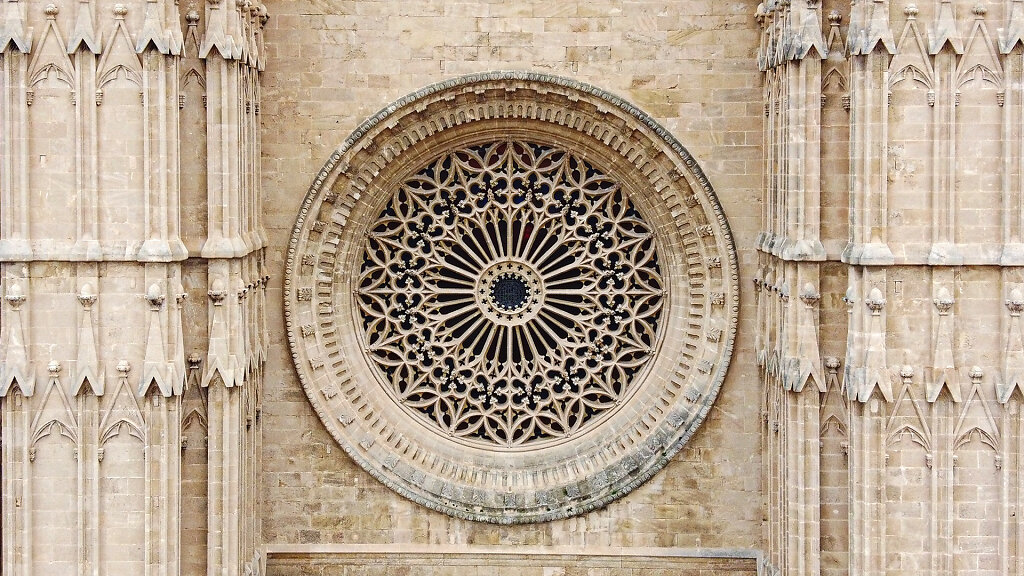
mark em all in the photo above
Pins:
pixel 509 292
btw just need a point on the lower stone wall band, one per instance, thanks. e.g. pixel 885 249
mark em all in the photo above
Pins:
pixel 457 560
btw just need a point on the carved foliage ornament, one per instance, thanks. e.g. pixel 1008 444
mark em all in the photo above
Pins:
pixel 498 296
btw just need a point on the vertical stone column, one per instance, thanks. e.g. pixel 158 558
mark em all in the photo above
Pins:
pixel 101 374
pixel 15 45
pixel 793 48
pixel 931 341
pixel 231 47
pixel 945 47
pixel 1011 48
pixel 869 48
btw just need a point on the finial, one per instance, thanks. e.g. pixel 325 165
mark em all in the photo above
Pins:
pixel 153 295
pixel 87 296
pixel 120 11
pixel 911 11
pixel 809 295
pixel 848 297
pixel 943 301
pixel 15 296
pixel 1015 303
pixel 875 301
pixel 832 364
pixel 217 292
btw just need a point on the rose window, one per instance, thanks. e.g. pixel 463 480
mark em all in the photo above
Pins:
pixel 510 293
pixel 511 297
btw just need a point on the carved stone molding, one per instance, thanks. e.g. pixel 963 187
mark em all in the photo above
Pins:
pixel 367 332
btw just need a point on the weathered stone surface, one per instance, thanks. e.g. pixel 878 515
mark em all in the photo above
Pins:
pixel 363 60
pixel 866 156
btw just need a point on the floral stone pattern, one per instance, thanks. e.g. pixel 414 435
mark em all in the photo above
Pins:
pixel 510 293
pixel 511 297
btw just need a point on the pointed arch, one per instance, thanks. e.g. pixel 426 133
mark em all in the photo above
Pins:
pixel 979 433
pixel 194 417
pixel 123 409
pixel 52 71
pixel 53 427
pixel 912 73
pixel 976 415
pixel 900 419
pixel 832 422
pixel 980 62
pixel 193 77
pixel 907 431
pixel 834 81
pixel 119 72
pixel 119 426
pixel 979 74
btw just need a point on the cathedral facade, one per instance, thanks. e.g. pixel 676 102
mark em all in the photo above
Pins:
pixel 370 287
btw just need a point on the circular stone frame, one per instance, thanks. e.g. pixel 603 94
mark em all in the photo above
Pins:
pixel 550 480
pixel 522 274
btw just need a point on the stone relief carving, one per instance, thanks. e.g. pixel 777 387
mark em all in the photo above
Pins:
pixel 510 293
pixel 534 212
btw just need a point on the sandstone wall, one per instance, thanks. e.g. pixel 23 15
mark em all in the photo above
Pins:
pixel 868 156
pixel 332 64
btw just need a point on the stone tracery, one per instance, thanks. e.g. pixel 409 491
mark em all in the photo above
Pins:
pixel 510 293
pixel 621 316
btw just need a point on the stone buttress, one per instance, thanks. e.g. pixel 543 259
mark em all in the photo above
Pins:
pixel 132 275
pixel 890 286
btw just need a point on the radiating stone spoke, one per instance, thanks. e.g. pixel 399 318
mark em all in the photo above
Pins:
pixel 509 292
